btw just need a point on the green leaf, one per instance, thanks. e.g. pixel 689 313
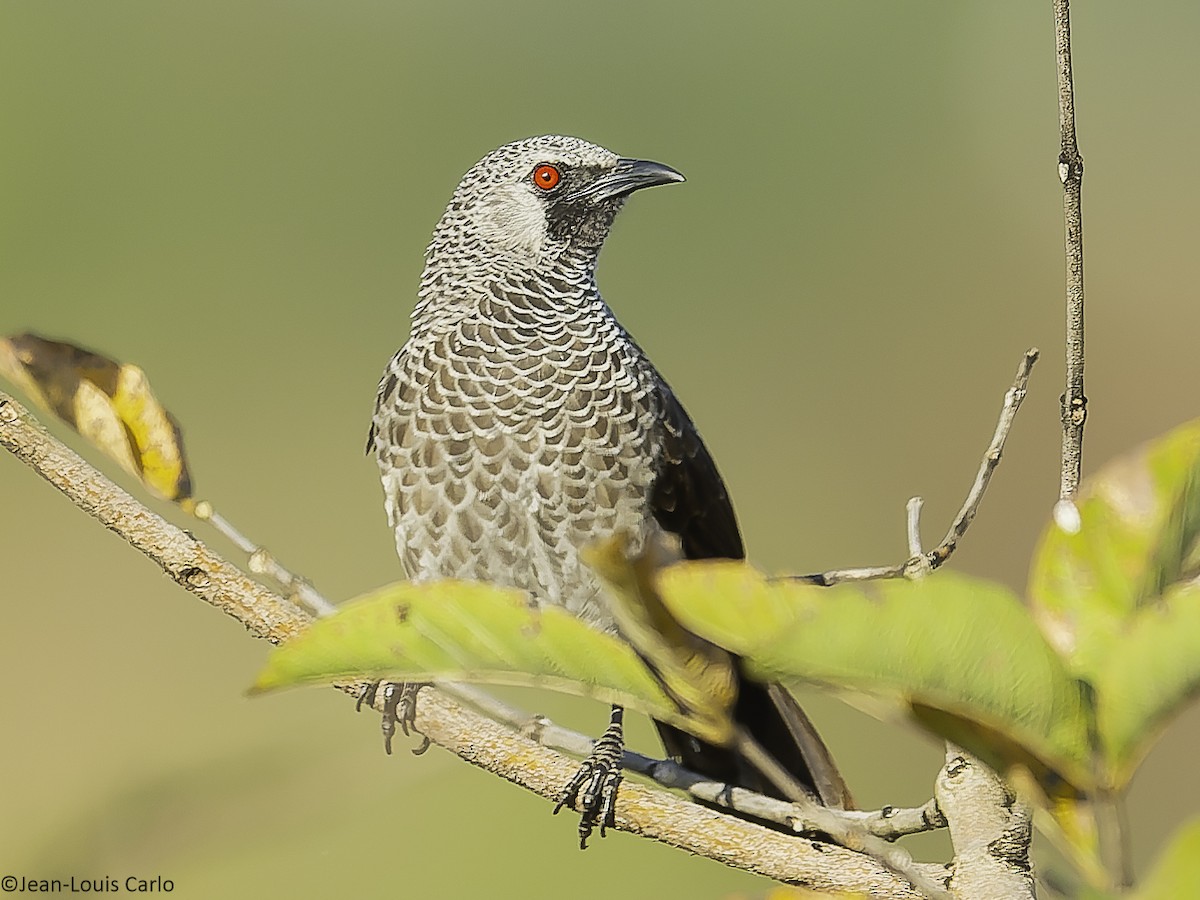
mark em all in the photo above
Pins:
pixel 960 655
pixel 1151 674
pixel 1139 518
pixel 467 631
pixel 1119 598
pixel 1177 871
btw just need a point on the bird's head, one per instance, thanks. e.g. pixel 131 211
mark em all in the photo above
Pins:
pixel 542 199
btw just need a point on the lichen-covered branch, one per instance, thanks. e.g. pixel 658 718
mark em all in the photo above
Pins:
pixel 649 812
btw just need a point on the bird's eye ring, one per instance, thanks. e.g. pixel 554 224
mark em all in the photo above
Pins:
pixel 546 177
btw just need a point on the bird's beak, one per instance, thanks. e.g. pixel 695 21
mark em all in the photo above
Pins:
pixel 628 176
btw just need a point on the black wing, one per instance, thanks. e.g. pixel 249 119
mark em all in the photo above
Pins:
pixel 688 497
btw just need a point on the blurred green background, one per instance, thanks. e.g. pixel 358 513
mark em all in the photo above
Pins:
pixel 236 196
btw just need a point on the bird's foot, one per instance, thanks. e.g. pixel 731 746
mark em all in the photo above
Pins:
pixel 399 708
pixel 594 786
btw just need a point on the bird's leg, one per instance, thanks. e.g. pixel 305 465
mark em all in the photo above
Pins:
pixel 399 708
pixel 595 784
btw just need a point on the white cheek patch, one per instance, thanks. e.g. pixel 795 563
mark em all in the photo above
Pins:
pixel 513 218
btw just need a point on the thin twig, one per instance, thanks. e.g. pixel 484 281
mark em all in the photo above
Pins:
pixel 655 814
pixel 991 459
pixel 913 511
pixel 893 822
pixel 888 823
pixel 1070 170
pixel 1114 848
pixel 920 563
pixel 262 562
pixel 848 834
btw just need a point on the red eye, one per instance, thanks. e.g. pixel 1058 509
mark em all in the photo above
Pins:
pixel 546 177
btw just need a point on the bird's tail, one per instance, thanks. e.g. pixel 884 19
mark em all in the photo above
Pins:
pixel 775 720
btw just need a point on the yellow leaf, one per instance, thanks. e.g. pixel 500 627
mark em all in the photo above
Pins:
pixel 700 676
pixel 108 403
pixel 155 434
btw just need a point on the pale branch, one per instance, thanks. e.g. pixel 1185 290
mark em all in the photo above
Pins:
pixel 1070 171
pixel 888 823
pixel 920 563
pixel 990 828
pixel 178 553
pixel 652 813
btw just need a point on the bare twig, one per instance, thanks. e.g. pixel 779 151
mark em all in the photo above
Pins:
pixel 913 512
pixel 1070 170
pixel 262 562
pixel 848 834
pixel 655 814
pixel 888 823
pixel 1114 848
pixel 893 822
pixel 991 459
pixel 920 563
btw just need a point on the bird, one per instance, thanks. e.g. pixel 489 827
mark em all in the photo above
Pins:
pixel 520 422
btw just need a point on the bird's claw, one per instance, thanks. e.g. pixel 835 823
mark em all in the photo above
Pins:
pixel 594 787
pixel 399 709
